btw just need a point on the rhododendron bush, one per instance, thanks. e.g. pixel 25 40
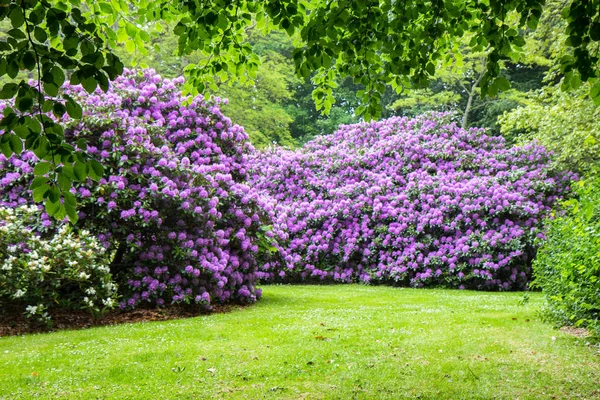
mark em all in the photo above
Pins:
pixel 409 201
pixel 172 207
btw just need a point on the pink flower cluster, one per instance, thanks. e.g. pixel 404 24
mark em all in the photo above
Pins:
pixel 409 201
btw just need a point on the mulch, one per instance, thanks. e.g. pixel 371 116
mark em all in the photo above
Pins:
pixel 13 324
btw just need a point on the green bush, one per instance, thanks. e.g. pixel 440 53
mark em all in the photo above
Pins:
pixel 567 267
pixel 64 270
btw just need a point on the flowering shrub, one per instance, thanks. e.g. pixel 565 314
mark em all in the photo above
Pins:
pixel 409 201
pixel 173 204
pixel 63 270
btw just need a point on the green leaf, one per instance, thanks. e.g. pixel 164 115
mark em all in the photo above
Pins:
pixel 6 150
pixel 106 8
pixel 58 76
pixel 41 168
pixel 73 109
pixel 51 207
pixel 130 46
pixel 16 17
pixel 8 91
pixel 47 106
pixel 22 131
pixel 40 191
pixel 82 144
pixel 131 30
pixel 97 168
pixel 40 147
pixel 223 22
pixel 38 181
pixel 71 213
pixel 59 109
pixel 54 194
pixel 51 89
pixel 61 213
pixel 80 170
pixel 40 34
pixel 16 144
pixel 12 69
pixel 70 199
pixel 89 84
pixel 67 170
pixel 28 60
pixel 502 83
pixel 34 125
pixel 24 104
pixel 70 42
pixel 16 33
pixel 64 182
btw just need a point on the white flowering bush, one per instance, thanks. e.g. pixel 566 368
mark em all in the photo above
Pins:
pixel 63 270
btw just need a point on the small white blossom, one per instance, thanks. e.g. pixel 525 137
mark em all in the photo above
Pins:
pixel 31 309
pixel 108 302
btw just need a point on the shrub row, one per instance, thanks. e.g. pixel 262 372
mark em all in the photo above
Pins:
pixel 188 212
pixel 409 201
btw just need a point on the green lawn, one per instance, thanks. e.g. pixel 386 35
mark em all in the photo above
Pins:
pixel 313 342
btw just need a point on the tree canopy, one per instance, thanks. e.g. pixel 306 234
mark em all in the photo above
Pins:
pixel 374 42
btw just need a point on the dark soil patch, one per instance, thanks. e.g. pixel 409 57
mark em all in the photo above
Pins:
pixel 12 324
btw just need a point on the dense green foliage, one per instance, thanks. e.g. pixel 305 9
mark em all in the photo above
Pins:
pixel 567 267
pixel 564 122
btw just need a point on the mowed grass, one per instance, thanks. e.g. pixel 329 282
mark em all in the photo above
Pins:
pixel 316 342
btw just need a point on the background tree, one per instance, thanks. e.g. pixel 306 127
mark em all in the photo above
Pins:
pixel 565 122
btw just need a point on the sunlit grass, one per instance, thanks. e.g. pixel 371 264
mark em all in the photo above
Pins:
pixel 316 342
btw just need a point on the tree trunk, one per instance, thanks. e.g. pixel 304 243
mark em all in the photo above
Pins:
pixel 472 93
pixel 117 263
pixel 465 119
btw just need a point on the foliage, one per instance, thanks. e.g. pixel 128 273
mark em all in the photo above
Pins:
pixel 63 270
pixel 457 88
pixel 172 201
pixel 583 37
pixel 309 122
pixel 563 122
pixel 258 104
pixel 410 201
pixel 259 107
pixel 374 42
pixel 567 267
pixel 421 101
